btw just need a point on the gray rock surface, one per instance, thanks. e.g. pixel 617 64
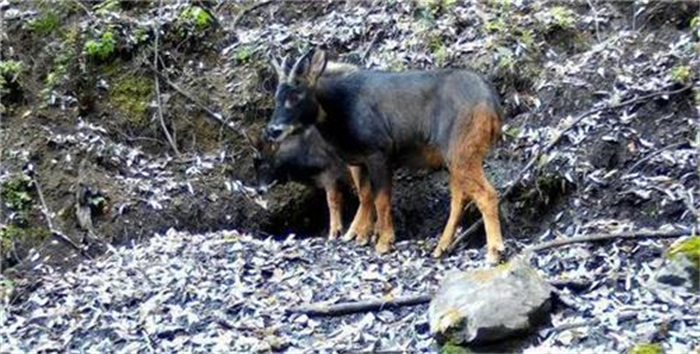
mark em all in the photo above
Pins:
pixel 486 305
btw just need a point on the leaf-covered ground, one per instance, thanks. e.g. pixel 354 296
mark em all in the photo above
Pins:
pixel 228 292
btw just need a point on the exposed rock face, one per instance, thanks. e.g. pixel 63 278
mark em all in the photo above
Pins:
pixel 486 305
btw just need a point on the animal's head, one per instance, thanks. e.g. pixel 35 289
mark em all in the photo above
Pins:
pixel 296 106
pixel 265 161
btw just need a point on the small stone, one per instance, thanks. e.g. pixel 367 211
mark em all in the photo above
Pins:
pixel 486 305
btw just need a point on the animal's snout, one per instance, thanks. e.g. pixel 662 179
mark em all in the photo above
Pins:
pixel 263 189
pixel 274 132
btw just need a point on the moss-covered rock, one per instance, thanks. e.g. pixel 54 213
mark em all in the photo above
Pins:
pixel 682 265
pixel 646 348
pixel 688 248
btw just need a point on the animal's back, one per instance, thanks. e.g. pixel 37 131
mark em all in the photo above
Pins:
pixel 404 111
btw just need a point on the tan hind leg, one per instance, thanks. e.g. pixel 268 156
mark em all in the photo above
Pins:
pixel 479 189
pixel 361 226
pixel 467 151
pixel 334 198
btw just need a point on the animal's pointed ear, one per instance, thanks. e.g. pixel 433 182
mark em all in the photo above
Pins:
pixel 281 68
pixel 318 65
pixel 310 66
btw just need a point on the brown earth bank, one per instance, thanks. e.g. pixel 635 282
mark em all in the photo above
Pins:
pixel 81 126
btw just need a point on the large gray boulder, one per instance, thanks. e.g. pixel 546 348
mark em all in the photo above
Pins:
pixel 486 305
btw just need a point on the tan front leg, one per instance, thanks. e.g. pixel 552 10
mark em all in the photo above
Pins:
pixel 335 208
pixel 385 224
pixel 361 226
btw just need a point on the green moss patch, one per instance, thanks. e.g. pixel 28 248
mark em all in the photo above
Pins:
pixel 131 95
pixel 681 74
pixel 15 194
pixel 44 24
pixel 452 348
pixel 101 48
pixel 29 236
pixel 197 17
pixel 9 74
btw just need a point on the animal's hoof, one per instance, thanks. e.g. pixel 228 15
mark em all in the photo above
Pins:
pixel 383 247
pixel 349 236
pixel 438 252
pixel 333 235
pixel 362 241
pixel 493 257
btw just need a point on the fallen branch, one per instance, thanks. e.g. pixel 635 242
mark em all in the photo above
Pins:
pixel 604 237
pixel 346 308
pixel 172 143
pixel 461 236
pixel 248 10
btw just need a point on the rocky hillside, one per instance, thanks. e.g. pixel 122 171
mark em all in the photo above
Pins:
pixel 123 119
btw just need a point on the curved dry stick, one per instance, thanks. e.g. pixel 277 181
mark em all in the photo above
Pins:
pixel 604 237
pixel 173 145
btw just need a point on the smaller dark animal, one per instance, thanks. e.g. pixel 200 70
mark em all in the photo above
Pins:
pixel 305 158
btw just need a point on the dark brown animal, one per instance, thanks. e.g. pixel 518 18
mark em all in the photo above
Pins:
pixel 378 120
pixel 305 158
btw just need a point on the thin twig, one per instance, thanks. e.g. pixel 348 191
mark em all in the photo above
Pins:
pixel 172 143
pixel 605 237
pixel 217 117
pixel 248 10
pixel 595 20
pixel 377 36
pixel 44 207
pixel 653 154
pixel 551 145
pixel 47 215
pixel 82 6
